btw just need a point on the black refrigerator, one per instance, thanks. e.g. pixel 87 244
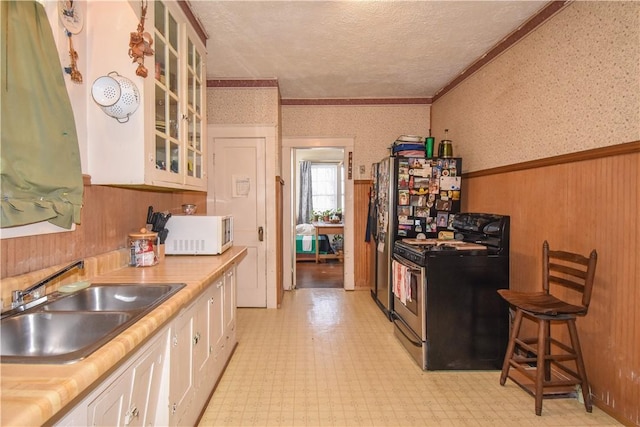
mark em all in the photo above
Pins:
pixel 411 197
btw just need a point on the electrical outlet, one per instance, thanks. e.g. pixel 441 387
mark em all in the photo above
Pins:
pixel 362 170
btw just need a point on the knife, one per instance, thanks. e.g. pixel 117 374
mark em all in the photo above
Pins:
pixel 150 215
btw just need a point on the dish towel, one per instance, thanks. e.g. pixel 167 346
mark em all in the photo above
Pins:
pixel 401 281
pixel 307 243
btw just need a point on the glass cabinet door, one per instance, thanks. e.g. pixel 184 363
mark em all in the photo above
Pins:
pixel 179 90
pixel 194 111
pixel 167 101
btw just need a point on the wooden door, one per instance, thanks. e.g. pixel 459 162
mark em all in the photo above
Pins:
pixel 239 189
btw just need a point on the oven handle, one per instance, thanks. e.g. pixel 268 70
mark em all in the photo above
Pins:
pixel 401 325
pixel 407 263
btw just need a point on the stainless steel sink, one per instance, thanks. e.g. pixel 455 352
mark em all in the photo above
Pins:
pixel 57 337
pixel 69 327
pixel 111 298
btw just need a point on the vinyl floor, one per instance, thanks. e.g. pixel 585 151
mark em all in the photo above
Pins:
pixel 328 357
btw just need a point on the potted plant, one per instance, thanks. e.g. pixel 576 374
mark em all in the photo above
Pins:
pixel 316 216
pixel 337 243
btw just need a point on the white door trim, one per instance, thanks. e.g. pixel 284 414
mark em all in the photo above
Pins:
pixel 270 134
pixel 288 259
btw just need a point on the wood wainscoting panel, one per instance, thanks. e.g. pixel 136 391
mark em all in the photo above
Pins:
pixel 108 215
pixel 361 249
pixel 580 206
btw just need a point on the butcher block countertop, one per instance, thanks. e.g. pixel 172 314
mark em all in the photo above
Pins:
pixel 36 394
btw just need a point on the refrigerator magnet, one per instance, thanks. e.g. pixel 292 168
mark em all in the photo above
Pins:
pixel 426 172
pixel 421 182
pixel 442 219
pixel 422 212
pixel 404 210
pixel 450 182
pixel 403 197
pixel 418 200
pixel 443 205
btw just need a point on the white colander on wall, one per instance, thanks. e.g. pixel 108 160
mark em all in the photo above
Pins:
pixel 116 95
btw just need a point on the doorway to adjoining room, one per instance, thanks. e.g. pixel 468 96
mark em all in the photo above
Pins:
pixel 319 228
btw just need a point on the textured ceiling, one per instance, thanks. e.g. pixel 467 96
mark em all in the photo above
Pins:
pixel 354 49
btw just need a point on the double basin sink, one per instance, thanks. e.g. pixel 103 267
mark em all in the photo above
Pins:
pixel 65 328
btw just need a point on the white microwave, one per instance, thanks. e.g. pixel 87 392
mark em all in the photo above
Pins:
pixel 198 234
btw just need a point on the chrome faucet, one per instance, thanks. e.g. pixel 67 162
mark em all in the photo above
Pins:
pixel 17 297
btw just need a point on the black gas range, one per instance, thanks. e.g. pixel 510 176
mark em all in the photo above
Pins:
pixel 474 234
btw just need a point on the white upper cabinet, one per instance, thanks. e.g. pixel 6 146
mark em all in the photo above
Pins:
pixel 162 143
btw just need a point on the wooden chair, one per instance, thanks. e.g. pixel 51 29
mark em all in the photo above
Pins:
pixel 536 369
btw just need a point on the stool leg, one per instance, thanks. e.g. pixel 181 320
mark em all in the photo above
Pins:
pixel 575 342
pixel 506 364
pixel 547 350
pixel 543 338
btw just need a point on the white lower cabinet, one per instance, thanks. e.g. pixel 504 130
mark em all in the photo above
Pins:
pixel 196 364
pixel 170 379
pixel 229 311
pixel 129 396
pixel 210 327
pixel 181 366
pixel 132 399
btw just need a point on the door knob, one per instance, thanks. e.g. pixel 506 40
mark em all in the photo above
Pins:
pixel 260 234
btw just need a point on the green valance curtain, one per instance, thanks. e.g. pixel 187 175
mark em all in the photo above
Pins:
pixel 41 176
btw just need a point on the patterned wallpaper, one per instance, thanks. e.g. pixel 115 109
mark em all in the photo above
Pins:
pixel 375 127
pixel 230 106
pixel 571 85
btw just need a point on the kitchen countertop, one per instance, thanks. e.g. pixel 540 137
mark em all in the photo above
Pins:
pixel 33 394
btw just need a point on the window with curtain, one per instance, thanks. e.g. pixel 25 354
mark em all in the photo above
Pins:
pixel 327 186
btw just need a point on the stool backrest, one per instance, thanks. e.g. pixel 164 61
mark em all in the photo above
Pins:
pixel 569 270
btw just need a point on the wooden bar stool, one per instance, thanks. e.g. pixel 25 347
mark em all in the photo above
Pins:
pixel 538 370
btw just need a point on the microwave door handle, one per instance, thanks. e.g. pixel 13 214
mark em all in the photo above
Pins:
pixel 260 233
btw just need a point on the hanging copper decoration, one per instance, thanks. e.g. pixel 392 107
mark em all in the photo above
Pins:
pixel 140 44
pixel 76 77
pixel 72 21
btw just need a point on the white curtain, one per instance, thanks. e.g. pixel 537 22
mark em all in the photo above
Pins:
pixel 325 186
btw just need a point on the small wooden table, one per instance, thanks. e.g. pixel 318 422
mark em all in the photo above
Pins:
pixel 327 228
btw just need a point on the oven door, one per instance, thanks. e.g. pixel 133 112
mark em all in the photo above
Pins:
pixel 409 309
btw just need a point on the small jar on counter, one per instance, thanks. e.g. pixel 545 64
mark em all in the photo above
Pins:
pixel 144 248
